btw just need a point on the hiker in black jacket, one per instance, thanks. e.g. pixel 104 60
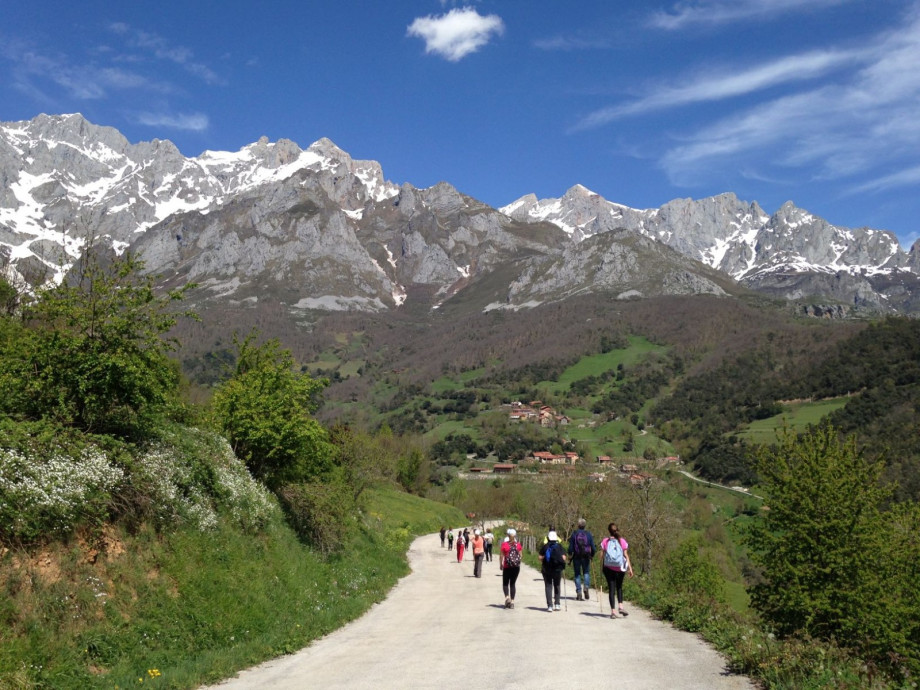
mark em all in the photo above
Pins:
pixel 581 551
pixel 553 560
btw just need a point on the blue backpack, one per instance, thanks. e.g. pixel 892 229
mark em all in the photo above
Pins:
pixel 613 554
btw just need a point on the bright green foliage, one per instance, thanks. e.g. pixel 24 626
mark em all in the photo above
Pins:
pixel 836 566
pixel 92 354
pixel 265 412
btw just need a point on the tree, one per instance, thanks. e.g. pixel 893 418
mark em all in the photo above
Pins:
pixel 93 353
pixel 816 539
pixel 265 411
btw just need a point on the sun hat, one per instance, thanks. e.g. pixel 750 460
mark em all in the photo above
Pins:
pixel 552 536
pixel 476 532
pixel 511 531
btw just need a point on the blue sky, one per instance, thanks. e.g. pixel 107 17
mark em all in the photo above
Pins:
pixel 642 101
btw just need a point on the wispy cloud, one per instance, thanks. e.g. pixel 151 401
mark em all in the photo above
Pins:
pixel 865 120
pixel 161 49
pixel 38 73
pixel 571 43
pixel 456 34
pixel 716 12
pixel 727 85
pixel 196 122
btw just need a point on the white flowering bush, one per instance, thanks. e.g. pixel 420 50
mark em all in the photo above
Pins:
pixel 191 475
pixel 48 496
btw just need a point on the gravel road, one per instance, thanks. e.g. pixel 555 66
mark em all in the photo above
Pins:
pixel 442 628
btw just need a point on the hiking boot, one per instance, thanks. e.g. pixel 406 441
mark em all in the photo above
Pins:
pixel 507 602
pixel 578 596
pixel 586 595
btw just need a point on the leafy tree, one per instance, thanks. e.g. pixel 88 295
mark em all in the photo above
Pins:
pixel 817 540
pixel 93 353
pixel 265 410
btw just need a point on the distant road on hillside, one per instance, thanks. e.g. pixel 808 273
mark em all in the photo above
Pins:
pixel 442 628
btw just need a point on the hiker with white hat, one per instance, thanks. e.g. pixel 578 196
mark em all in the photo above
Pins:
pixel 553 559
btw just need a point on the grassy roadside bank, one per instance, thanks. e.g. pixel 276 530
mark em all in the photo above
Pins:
pixel 180 609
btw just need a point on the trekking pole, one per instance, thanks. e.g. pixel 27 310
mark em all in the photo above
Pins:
pixel 599 592
pixel 565 592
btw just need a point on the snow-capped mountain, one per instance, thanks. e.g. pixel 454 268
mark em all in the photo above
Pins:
pixel 314 229
pixel 791 253
pixel 63 180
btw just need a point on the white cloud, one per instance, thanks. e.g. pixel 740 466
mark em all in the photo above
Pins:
pixel 909 177
pixel 719 87
pixel 196 122
pixel 715 12
pixel 857 126
pixel 456 34
pixel 161 49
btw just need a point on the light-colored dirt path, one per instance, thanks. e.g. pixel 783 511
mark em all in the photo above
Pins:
pixel 442 628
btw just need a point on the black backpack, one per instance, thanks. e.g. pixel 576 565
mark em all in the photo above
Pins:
pixel 552 557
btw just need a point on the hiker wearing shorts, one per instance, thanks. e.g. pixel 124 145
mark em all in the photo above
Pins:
pixel 553 561
pixel 581 551
pixel 479 552
pixel 616 565
pixel 509 561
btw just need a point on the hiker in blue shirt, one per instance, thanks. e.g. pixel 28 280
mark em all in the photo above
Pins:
pixel 581 551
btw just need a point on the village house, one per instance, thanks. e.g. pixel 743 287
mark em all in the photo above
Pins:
pixel 602 459
pixel 503 468
pixel 546 458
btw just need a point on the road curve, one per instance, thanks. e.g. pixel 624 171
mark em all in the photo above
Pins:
pixel 442 628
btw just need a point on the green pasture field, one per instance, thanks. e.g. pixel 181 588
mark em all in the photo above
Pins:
pixel 797 416
pixel 592 365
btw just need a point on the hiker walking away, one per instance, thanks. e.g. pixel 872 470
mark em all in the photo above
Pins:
pixel 509 561
pixel 553 561
pixel 581 551
pixel 479 552
pixel 616 565
pixel 450 540
pixel 466 537
pixel 443 536
pixel 488 537
pixel 460 548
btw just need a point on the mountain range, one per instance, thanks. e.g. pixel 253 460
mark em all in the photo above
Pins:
pixel 315 230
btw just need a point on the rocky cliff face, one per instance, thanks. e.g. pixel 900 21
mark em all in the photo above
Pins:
pixel 791 254
pixel 314 229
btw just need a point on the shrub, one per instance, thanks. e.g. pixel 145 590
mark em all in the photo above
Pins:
pixel 49 493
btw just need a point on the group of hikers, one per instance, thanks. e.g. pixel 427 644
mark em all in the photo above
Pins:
pixel 554 557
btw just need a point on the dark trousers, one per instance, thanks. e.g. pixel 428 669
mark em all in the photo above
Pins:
pixel 614 585
pixel 552 581
pixel 509 578
pixel 477 564
pixel 489 551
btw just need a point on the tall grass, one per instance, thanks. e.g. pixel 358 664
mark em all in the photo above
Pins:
pixel 189 607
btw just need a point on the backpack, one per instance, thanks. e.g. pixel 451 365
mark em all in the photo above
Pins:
pixel 582 544
pixel 553 555
pixel 513 559
pixel 613 554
